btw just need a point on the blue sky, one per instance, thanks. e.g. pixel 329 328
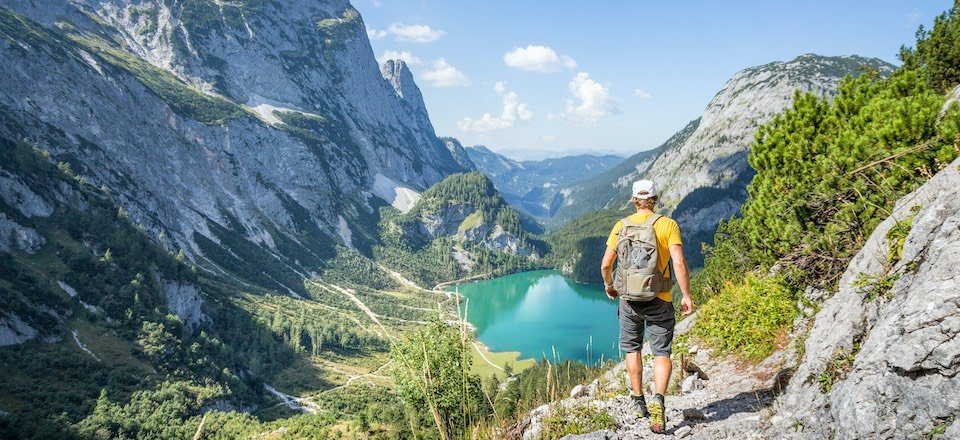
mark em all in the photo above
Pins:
pixel 606 75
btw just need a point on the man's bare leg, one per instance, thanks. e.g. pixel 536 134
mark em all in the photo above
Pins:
pixel 635 372
pixel 662 368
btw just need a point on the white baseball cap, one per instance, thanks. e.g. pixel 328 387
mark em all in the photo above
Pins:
pixel 644 189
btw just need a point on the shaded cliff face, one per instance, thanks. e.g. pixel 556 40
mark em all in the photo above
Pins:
pixel 248 134
pixel 702 170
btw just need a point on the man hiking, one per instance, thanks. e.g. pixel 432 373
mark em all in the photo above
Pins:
pixel 644 243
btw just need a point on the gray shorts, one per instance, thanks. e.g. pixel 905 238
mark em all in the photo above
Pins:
pixel 657 316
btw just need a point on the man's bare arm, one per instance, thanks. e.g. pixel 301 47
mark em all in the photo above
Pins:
pixel 606 271
pixel 682 275
pixel 606 267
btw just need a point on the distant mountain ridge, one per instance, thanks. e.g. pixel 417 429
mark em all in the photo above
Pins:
pixel 702 170
pixel 532 185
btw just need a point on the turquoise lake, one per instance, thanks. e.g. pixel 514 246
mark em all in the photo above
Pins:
pixel 541 312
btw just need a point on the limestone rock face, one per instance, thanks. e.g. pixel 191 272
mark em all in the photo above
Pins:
pixel 184 301
pixel 227 130
pixel 15 236
pixel 904 342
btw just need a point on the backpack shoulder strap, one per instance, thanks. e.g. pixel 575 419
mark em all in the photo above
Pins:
pixel 627 222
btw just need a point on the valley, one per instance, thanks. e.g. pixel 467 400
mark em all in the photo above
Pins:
pixel 233 220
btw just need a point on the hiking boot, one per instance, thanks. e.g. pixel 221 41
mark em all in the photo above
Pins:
pixel 639 405
pixel 658 419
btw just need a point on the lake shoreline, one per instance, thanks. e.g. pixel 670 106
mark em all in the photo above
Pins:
pixel 541 312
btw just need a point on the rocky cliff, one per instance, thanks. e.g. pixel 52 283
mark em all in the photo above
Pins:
pixel 882 356
pixel 703 169
pixel 242 131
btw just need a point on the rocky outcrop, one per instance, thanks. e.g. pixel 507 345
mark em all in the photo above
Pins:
pixel 18 195
pixel 184 301
pixel 14 331
pixel 460 154
pixel 16 236
pixel 399 76
pixel 895 328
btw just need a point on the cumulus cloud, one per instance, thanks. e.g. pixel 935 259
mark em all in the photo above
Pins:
pixel 538 59
pixel 513 111
pixel 406 56
pixel 591 102
pixel 444 75
pixel 376 34
pixel 419 33
pixel 641 94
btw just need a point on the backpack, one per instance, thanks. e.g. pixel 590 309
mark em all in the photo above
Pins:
pixel 636 277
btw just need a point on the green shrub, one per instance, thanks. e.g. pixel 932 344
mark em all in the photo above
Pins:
pixel 749 318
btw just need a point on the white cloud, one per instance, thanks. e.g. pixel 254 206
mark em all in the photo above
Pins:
pixel 376 34
pixel 538 59
pixel 641 94
pixel 593 101
pixel 513 111
pixel 406 56
pixel 419 33
pixel 549 138
pixel 377 4
pixel 445 75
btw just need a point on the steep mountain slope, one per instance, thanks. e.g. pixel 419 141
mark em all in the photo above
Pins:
pixel 459 153
pixel 533 185
pixel 240 132
pixel 702 170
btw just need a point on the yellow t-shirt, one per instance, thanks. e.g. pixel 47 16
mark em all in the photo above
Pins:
pixel 668 234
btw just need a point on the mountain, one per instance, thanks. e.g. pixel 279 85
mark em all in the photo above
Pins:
pixel 533 185
pixel 459 153
pixel 235 132
pixel 458 228
pixel 702 170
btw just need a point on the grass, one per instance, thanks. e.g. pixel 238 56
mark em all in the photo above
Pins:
pixel 180 96
pixel 897 236
pixel 747 319
pixel 838 368
pixel 472 221
pixel 565 421
pixel 501 358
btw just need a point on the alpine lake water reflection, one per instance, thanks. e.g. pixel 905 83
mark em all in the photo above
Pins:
pixel 543 314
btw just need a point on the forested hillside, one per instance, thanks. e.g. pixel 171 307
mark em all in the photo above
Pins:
pixel 458 228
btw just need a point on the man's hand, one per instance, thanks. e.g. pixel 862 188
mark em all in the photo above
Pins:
pixel 611 292
pixel 686 305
